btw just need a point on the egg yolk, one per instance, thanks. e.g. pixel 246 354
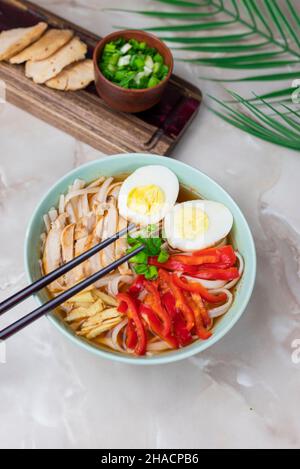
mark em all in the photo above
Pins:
pixel 190 223
pixel 146 200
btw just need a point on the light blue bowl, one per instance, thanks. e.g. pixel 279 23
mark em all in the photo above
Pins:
pixel 189 177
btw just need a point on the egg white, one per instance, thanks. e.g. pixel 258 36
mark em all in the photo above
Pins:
pixel 156 175
pixel 220 221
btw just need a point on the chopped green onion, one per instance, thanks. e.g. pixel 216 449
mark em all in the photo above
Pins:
pixel 152 273
pixel 141 269
pixel 124 49
pixel 140 258
pixel 163 256
pixel 149 62
pixel 153 82
pixel 132 64
pixel 124 61
pixel 158 58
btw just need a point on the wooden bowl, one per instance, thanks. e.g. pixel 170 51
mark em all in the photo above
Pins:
pixel 131 100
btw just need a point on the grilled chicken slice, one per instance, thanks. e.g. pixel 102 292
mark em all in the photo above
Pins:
pixel 47 45
pixel 52 258
pixel 44 70
pixel 75 77
pixel 15 40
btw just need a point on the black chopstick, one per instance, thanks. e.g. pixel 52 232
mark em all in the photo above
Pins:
pixel 20 296
pixel 58 300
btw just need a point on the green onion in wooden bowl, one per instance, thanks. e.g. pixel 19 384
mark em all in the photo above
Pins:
pixel 132 64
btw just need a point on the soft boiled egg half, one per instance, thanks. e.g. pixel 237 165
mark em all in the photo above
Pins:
pixel 148 194
pixel 197 224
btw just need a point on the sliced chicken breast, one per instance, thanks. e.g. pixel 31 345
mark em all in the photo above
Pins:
pixel 75 77
pixel 15 40
pixel 44 70
pixel 47 45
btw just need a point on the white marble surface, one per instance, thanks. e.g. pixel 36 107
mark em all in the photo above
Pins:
pixel 244 392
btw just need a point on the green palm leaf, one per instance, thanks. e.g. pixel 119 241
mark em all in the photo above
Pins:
pixel 247 35
pixel 275 127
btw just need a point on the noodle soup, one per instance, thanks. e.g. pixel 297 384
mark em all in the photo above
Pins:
pixel 169 295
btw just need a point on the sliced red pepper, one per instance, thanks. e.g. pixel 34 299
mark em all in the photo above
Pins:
pixel 122 307
pixel 181 333
pixel 195 259
pixel 155 303
pixel 201 331
pixel 173 265
pixel 194 287
pixel 131 335
pixel 221 258
pixel 169 303
pixel 180 303
pixel 156 326
pixel 199 305
pixel 137 285
pixel 212 273
pixel 132 313
pixel 227 256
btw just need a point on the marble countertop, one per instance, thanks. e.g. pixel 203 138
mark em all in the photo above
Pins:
pixel 243 392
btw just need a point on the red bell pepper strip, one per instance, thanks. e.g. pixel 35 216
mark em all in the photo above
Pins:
pixel 201 331
pixel 180 331
pixel 194 287
pixel 155 303
pixel 195 259
pixel 173 265
pixel 156 326
pixel 227 256
pixel 213 273
pixel 180 302
pixel 206 319
pixel 122 307
pixel 137 285
pixel 132 313
pixel 131 335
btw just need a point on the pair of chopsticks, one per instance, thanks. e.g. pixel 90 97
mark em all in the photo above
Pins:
pixel 54 275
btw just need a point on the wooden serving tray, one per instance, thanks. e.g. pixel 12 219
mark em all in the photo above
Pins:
pixel 83 114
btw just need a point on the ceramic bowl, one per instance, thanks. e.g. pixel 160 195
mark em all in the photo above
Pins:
pixel 189 177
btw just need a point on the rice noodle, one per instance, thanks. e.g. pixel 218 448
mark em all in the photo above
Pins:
pixel 103 282
pixel 109 229
pixel 220 310
pixel 85 205
pixel 61 206
pixel 79 192
pixel 70 212
pixel 104 189
pixel 96 183
pixel 113 285
pixel 209 284
pixel 77 185
pixel 43 238
pixel 158 346
pixel 47 222
pixel 115 332
pixel 114 189
pixel 53 214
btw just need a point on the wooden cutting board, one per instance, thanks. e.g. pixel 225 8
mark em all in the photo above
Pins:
pixel 83 114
